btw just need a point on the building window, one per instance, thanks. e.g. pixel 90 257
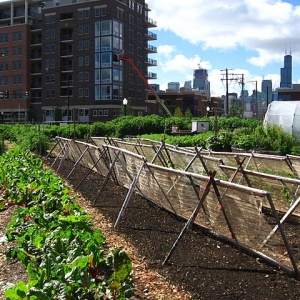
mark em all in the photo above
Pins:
pixel 106 60
pixel 117 75
pixel 106 43
pixel 120 13
pixel 117 29
pixel 106 76
pixel 17 65
pixel 139 23
pixel 17 79
pixel 105 112
pixel 117 44
pixel 4 38
pixel 131 33
pixel 50 48
pixel 17 50
pixel 3 80
pixel 95 113
pixel 106 27
pixel 139 51
pixel 106 92
pixel 17 36
pixel 131 4
pixel 100 11
pixel 131 48
pixel 80 92
pixel 86 60
pixel 86 76
pixel 100 113
pixel 86 92
pixel 139 8
pixel 86 45
pixel 81 44
pixel 97 28
pixel 3 67
pixel 131 78
pixel 131 19
pixel 84 14
pixel 97 76
pixel 97 60
pixel 50 63
pixel 86 29
pixel 117 92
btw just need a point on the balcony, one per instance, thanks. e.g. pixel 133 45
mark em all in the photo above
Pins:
pixel 36 71
pixel 151 62
pixel 151 75
pixel 36 55
pixel 67 38
pixel 151 49
pixel 150 22
pixel 151 36
pixel 67 52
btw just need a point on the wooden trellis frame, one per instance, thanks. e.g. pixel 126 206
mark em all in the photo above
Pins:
pixel 168 184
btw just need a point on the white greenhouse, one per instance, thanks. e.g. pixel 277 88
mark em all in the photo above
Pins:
pixel 285 114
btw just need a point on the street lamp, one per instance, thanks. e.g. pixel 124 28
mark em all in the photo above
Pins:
pixel 207 110
pixel 125 102
pixel 68 99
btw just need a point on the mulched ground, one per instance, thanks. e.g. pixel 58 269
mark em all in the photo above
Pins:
pixel 202 266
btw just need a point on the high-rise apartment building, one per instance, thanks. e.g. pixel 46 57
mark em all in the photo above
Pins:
pixel 57 63
pixel 286 72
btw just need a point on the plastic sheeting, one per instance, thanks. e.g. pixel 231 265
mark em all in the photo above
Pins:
pixel 285 114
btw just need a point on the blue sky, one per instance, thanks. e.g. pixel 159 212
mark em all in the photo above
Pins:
pixel 248 37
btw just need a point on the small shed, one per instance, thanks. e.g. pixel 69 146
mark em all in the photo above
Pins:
pixel 285 114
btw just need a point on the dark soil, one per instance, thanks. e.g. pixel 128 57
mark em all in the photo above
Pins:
pixel 202 265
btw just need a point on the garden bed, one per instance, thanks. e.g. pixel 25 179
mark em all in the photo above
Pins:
pixel 201 267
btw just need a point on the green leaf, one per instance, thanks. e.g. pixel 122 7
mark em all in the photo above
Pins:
pixel 18 292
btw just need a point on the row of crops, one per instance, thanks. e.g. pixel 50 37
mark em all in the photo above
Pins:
pixel 64 256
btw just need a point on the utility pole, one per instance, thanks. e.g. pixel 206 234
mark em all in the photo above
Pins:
pixel 227 79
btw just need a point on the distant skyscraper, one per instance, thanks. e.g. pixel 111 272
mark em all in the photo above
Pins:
pixel 188 84
pixel 201 80
pixel 174 86
pixel 286 72
pixel 266 89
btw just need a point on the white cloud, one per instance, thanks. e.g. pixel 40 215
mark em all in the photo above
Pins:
pixel 266 26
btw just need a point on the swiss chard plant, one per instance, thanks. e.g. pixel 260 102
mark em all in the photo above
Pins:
pixel 64 256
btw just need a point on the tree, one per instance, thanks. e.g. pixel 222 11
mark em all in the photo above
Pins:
pixel 178 112
pixel 236 111
pixel 188 113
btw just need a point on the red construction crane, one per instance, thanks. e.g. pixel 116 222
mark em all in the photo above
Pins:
pixel 123 57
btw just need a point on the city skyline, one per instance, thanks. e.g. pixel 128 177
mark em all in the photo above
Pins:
pixel 247 38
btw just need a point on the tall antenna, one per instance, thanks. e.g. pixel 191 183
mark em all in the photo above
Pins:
pixel 199 65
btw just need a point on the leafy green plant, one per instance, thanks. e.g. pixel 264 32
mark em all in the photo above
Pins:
pixel 64 256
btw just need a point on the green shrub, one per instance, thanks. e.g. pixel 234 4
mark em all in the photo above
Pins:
pixel 220 141
pixel 273 138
